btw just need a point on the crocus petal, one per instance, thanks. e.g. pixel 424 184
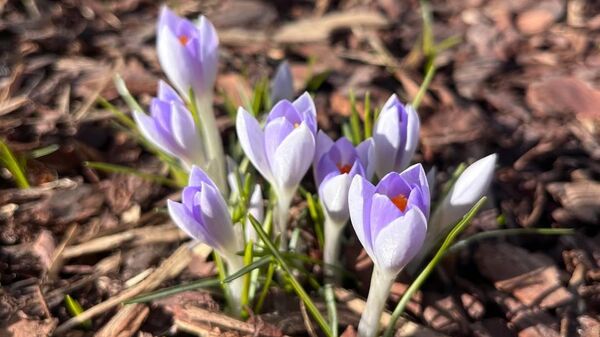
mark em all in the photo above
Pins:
pixel 282 85
pixel 416 174
pixel 147 127
pixel 182 217
pixel 324 170
pixel 180 66
pixel 383 212
pixel 199 177
pixel 474 181
pixel 252 140
pixel 397 243
pixel 413 125
pixel 167 94
pixel 275 132
pixel 334 195
pixel 292 158
pixel 186 135
pixel 365 153
pixel 387 138
pixel 306 107
pixel 216 218
pixel 167 18
pixel 323 145
pixel 360 196
pixel 286 110
pixel 208 49
pixel 392 185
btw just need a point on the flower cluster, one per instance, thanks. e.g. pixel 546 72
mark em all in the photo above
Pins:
pixel 390 218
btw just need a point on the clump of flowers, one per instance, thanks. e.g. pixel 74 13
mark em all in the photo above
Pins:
pixel 221 208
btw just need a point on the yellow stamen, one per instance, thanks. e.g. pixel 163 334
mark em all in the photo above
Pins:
pixel 400 201
pixel 183 39
pixel 344 168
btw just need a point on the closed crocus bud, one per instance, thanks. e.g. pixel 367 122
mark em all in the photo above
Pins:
pixel 282 85
pixel 336 163
pixel 187 52
pixel 390 221
pixel 204 216
pixel 395 137
pixel 283 151
pixel 470 186
pixel 171 128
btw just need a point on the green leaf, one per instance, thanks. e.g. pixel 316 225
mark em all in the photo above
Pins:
pixel 263 261
pixel 165 292
pixel 368 116
pixel 418 282
pixel 112 168
pixel 75 309
pixel 44 151
pixel 313 210
pixel 9 160
pixel 317 80
pixel 355 121
pixel 312 308
pixel 331 309
pixel 120 115
pixel 265 289
pixel 125 94
pixel 509 232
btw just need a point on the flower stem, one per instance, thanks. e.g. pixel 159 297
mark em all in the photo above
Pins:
pixel 284 200
pixel 331 248
pixel 381 283
pixel 212 141
pixel 236 287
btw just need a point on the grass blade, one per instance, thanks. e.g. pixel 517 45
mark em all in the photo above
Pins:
pixel 9 160
pixel 75 309
pixel 312 308
pixel 263 261
pixel 155 295
pixel 112 168
pixel 507 232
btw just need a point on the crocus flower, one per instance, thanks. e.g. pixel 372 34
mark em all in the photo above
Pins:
pixel 204 216
pixel 283 151
pixel 336 163
pixel 282 85
pixel 188 54
pixel 470 186
pixel 390 220
pixel 171 128
pixel 395 137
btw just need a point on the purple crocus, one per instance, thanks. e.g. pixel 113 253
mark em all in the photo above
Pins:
pixel 204 216
pixel 395 137
pixel 187 52
pixel 282 85
pixel 171 128
pixel 335 164
pixel 283 150
pixel 390 220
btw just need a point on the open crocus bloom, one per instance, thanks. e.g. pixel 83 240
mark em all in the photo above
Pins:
pixel 336 163
pixel 395 137
pixel 390 219
pixel 188 52
pixel 171 128
pixel 283 151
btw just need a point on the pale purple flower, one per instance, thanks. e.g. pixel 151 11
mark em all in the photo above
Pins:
pixel 283 150
pixel 203 214
pixel 171 128
pixel 470 186
pixel 187 52
pixel 282 85
pixel 395 137
pixel 390 219
pixel 336 163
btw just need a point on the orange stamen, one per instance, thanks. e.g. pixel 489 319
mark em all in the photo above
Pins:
pixel 344 168
pixel 400 201
pixel 183 39
pixel 296 125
